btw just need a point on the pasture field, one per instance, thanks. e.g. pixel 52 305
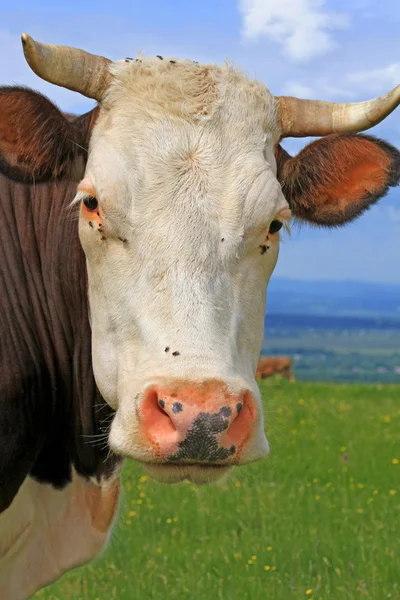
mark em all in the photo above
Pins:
pixel 318 520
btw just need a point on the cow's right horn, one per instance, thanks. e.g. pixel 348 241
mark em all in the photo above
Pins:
pixel 68 67
pixel 302 118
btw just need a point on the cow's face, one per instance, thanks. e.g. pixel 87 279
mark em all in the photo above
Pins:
pixel 180 207
pixel 179 219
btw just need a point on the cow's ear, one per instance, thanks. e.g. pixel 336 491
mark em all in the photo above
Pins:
pixel 37 142
pixel 333 180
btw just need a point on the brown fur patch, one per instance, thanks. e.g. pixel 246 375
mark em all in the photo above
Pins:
pixel 38 142
pixel 335 179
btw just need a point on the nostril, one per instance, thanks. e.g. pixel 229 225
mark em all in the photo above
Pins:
pixel 226 411
pixel 161 403
pixel 239 407
pixel 177 408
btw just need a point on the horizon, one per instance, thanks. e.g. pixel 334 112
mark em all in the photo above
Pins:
pixel 336 281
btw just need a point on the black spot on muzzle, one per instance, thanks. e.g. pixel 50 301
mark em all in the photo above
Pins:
pixel 177 408
pixel 201 443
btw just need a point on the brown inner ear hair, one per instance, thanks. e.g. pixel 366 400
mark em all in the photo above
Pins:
pixel 37 141
pixel 335 179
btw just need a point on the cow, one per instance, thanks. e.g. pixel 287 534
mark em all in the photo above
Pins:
pixel 275 365
pixel 137 243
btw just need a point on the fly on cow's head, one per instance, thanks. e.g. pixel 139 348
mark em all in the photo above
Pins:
pixel 176 158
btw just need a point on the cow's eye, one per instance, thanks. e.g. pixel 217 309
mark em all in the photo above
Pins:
pixel 90 202
pixel 275 226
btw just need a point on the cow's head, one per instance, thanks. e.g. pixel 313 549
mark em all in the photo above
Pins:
pixel 182 196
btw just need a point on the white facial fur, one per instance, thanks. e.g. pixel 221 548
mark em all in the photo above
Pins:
pixel 181 161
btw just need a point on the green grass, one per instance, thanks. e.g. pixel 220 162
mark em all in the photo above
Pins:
pixel 321 514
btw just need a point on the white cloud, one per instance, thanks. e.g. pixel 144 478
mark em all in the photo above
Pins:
pixel 336 92
pixel 294 88
pixel 376 79
pixel 303 27
pixel 356 86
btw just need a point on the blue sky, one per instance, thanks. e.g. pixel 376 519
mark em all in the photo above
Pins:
pixel 328 49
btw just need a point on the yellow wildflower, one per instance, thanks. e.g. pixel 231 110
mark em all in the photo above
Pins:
pixel 237 484
pixel 254 558
pixel 392 492
pixel 132 513
pixel 143 478
pixel 159 550
pixel 267 568
pixel 395 461
pixel 308 592
pixel 236 555
pixel 169 521
pixel 301 401
pixel 269 548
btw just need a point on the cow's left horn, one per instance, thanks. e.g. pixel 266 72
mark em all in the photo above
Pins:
pixel 301 118
pixel 68 67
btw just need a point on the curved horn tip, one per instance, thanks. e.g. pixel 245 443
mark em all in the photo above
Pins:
pixel 26 39
pixel 28 43
pixel 30 50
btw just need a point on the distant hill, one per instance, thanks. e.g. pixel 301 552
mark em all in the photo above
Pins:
pixel 333 298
